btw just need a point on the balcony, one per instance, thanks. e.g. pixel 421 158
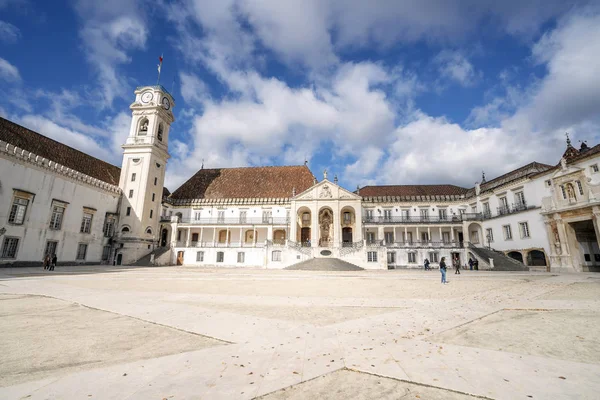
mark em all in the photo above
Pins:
pixel 514 208
pixel 236 221
pixel 453 219
pixel 426 244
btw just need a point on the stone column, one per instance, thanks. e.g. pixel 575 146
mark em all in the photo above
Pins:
pixel 380 235
pixel 270 232
pixel 429 234
pixel 201 235
pixel 241 238
pixel 214 235
pixel 441 236
pixel 254 236
pixel 337 226
pixel 562 234
pixel 405 235
pixel 595 218
pixel 173 234
pixel 418 238
pixel 227 237
pixel 550 234
pixel 293 223
pixel 187 240
pixel 314 227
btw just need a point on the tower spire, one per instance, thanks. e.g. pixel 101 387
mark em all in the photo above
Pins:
pixel 482 176
pixel 568 139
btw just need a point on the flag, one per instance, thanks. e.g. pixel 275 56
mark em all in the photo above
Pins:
pixel 160 63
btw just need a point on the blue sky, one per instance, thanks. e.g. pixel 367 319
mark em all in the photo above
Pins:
pixel 378 92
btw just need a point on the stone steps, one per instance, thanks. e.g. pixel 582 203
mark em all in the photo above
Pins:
pixel 324 264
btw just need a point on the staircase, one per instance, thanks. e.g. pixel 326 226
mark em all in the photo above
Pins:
pixel 324 264
pixel 502 262
pixel 161 257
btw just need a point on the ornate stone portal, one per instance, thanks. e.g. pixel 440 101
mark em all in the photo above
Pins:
pixel 325 228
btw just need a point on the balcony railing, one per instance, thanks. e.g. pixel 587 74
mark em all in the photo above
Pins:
pixel 236 221
pixel 426 244
pixel 423 219
pixel 211 244
pixel 514 208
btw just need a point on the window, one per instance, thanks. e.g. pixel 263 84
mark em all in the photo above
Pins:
pixel 391 257
pixel 200 256
pixel 105 253
pixel 580 187
pixel 9 248
pixel 241 257
pixel 503 202
pixel 81 250
pixel 405 214
pixel 563 191
pixel 159 135
pixel 131 193
pixel 433 257
pixel 389 237
pixel 347 218
pixel 155 181
pixel 243 217
pixel 133 177
pixel 50 247
pixel 57 216
pixel 587 257
pixel 109 226
pixel 276 255
pixel 489 235
pixel 486 210
pixel 149 232
pixel 194 237
pixel 520 198
pixel 17 211
pixel 548 183
pixel 424 237
pixel 86 223
pixel 507 232
pixel 220 256
pixel 125 230
pixel 446 237
pixel 266 216
pixel 178 235
pixel 371 256
pixel 475 237
pixel 387 215
pixel 424 213
pixel 197 215
pixel 524 228
pixel 221 217
pixel 153 196
pixel 370 237
pixel 408 237
pixel 369 215
pixel 412 257
pixel 442 212
pixel 594 168
pixel 151 213
pixel 128 213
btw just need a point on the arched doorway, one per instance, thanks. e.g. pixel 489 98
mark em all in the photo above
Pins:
pixel 180 258
pixel 163 237
pixel 515 255
pixel 536 258
pixel 347 222
pixel 325 227
pixel 223 236
pixel 249 237
pixel 303 226
pixel 346 236
pixel 475 234
pixel 279 236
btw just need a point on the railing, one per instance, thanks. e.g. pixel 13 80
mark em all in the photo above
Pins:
pixel 375 243
pixel 423 219
pixel 212 244
pixel 236 221
pixel 517 207
pixel 426 244
pixel 299 247
pixel 350 247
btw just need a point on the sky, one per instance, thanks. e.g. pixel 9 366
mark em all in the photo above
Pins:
pixel 376 92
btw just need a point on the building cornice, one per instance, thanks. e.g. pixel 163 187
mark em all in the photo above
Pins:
pixel 28 157
pixel 221 202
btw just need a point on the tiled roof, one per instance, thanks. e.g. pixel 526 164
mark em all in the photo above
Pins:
pixel 530 169
pixel 57 152
pixel 411 190
pixel 248 182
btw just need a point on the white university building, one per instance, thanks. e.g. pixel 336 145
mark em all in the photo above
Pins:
pixel 57 200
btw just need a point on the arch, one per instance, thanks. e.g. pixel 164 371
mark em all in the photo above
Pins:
pixel 347 216
pixel 125 229
pixel 164 237
pixel 148 231
pixel 160 132
pixel 179 216
pixel 143 126
pixel 347 236
pixel 249 236
pixel 279 236
pixel 303 225
pixel 475 233
pixel 516 255
pixel 536 258
pixel 223 236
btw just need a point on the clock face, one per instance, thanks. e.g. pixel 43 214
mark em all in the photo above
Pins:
pixel 166 103
pixel 146 97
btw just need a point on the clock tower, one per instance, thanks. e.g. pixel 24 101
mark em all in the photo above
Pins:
pixel 145 158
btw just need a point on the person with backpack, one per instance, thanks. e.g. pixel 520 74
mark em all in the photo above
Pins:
pixel 427 265
pixel 443 270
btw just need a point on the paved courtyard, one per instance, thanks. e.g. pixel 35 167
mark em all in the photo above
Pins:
pixel 189 333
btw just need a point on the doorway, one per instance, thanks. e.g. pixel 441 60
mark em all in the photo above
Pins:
pixel 586 254
pixel 346 235
pixel 163 238
pixel 119 259
pixel 455 256
pixel 180 258
pixel 460 239
pixel 305 237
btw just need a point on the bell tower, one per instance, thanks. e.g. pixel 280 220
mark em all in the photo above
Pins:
pixel 145 156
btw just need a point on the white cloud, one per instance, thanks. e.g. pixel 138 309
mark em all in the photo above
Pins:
pixel 8 32
pixel 455 66
pixel 8 72
pixel 193 90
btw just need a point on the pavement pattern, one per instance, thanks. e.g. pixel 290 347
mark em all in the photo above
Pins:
pixel 192 333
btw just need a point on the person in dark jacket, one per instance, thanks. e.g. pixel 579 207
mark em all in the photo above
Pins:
pixel 443 270
pixel 456 263
pixel 54 260
pixel 426 265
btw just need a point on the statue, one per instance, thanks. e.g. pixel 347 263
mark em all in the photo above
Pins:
pixel 325 174
pixel 570 192
pixel 563 163
pixel 144 127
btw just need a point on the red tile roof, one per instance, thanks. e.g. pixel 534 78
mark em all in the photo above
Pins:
pixel 411 190
pixel 248 182
pixel 43 146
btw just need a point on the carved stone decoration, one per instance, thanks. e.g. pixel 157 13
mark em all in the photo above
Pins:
pixel 556 236
pixel 345 196
pixel 325 193
pixel 325 227
pixel 563 163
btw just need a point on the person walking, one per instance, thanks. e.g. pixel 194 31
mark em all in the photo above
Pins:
pixel 427 265
pixel 476 265
pixel 47 261
pixel 456 263
pixel 53 264
pixel 443 270
pixel 471 264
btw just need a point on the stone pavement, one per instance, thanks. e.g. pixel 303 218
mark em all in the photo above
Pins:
pixel 189 333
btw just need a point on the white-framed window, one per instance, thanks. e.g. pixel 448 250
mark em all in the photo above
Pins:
pixel 406 214
pixel 58 211
pixel 10 247
pixel 407 237
pixel 131 193
pixel 503 202
pixel 50 247
pixel 241 257
pixel 220 256
pixel 18 211
pixel 486 209
pixel 424 213
pixel 475 237
pixel 412 257
pixel 594 168
pixel 81 251
pixel 133 177
pixel 433 257
pixel 489 235
pixel 507 232
pixel 276 255
pixel 446 237
pixel 580 187
pixel 524 228
pixel 243 217
pixel 370 237
pixel 221 216
pixel 424 237
pixel 391 257
pixel 267 216
pixel 369 214
pixel 153 196
pixel 105 253
pixel 109 226
pixel 86 223
pixel 389 237
pixel 347 217
pixel 443 213
pixel 462 211
pixel 563 191
pixel 200 256
pixel 387 215
pixel 371 256
pixel 305 218
pixel 519 198
pixel 128 211
pixel 197 215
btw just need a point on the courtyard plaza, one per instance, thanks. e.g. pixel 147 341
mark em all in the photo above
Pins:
pixel 194 333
